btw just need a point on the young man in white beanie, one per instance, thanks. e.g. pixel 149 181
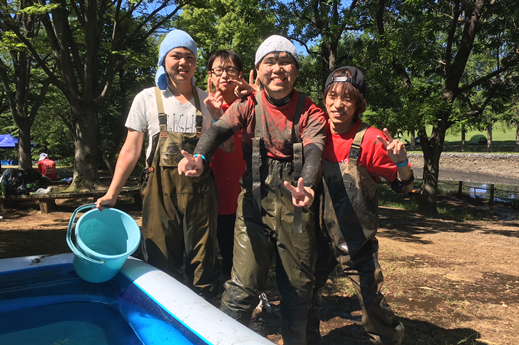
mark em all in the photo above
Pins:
pixel 283 142
pixel 179 213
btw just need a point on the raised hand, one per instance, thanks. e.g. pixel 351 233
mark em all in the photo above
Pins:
pixel 190 165
pixel 243 89
pixel 301 195
pixel 214 100
pixel 395 148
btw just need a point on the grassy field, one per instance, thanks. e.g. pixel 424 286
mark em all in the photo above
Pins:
pixel 503 140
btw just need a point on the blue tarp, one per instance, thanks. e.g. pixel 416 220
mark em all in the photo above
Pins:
pixel 7 141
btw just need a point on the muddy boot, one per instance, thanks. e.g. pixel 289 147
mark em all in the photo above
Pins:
pixel 293 332
pixel 313 333
pixel 398 336
pixel 243 317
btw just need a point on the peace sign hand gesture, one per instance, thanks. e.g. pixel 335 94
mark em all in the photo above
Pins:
pixel 243 89
pixel 395 148
pixel 301 195
pixel 190 165
pixel 214 100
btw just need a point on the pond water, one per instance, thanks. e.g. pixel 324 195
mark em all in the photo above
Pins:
pixel 503 193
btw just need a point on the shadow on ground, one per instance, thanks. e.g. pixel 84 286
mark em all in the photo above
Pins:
pixel 409 226
pixel 345 313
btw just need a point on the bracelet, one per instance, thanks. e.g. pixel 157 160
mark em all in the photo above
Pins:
pixel 200 156
pixel 403 164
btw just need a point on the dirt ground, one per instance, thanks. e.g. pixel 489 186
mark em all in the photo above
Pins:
pixel 448 281
pixel 473 169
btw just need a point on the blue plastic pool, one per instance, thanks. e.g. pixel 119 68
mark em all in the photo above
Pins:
pixel 43 301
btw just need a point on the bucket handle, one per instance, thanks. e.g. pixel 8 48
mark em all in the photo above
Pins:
pixel 69 235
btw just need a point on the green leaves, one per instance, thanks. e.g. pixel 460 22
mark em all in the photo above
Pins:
pixel 38 9
pixel 239 25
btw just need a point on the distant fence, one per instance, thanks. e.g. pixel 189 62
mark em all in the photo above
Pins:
pixel 484 191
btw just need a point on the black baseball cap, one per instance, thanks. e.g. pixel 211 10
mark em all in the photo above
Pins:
pixel 357 79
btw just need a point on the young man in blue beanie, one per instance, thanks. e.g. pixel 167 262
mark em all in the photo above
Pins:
pixel 179 213
pixel 283 141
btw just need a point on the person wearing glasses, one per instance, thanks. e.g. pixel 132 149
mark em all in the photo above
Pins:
pixel 225 74
pixel 283 142
pixel 179 213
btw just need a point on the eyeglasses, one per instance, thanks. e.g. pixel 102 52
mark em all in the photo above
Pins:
pixel 219 71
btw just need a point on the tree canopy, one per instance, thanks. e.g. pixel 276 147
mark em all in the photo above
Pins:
pixel 452 63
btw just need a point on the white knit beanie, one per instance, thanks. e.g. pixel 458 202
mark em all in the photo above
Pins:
pixel 275 43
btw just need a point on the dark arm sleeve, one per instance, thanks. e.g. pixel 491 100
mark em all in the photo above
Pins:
pixel 312 168
pixel 213 138
pixel 402 186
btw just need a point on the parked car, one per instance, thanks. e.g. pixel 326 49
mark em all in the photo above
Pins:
pixel 478 139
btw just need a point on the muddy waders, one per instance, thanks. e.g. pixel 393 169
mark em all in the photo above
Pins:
pixel 349 220
pixel 267 224
pixel 180 212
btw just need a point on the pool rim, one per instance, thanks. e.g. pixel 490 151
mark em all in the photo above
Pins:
pixel 192 311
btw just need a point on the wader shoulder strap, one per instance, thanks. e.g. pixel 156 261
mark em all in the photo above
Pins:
pixel 298 159
pixel 163 125
pixel 355 146
pixel 256 159
pixel 163 119
pixel 198 118
pixel 296 139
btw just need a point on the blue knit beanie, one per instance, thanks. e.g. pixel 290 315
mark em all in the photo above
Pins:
pixel 174 39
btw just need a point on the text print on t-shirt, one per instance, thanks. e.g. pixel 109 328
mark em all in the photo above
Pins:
pixel 183 123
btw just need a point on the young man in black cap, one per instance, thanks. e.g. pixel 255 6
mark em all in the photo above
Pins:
pixel 283 141
pixel 355 157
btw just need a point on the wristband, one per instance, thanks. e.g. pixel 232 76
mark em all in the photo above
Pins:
pixel 200 156
pixel 400 165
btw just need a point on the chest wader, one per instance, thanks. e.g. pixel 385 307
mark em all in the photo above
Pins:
pixel 266 224
pixel 179 212
pixel 349 219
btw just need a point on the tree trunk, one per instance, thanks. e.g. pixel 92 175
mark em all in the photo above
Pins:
pixel 332 56
pixel 412 146
pixel 110 162
pixel 427 203
pixel 24 91
pixel 517 135
pixel 432 149
pixel 489 138
pixel 85 162
pixel 463 138
pixel 24 146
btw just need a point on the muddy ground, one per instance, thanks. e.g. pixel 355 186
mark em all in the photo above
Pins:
pixel 501 169
pixel 449 281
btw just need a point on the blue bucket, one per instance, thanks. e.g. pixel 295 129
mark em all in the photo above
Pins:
pixel 104 241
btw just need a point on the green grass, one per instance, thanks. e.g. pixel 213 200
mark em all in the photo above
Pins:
pixel 503 140
pixel 388 198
